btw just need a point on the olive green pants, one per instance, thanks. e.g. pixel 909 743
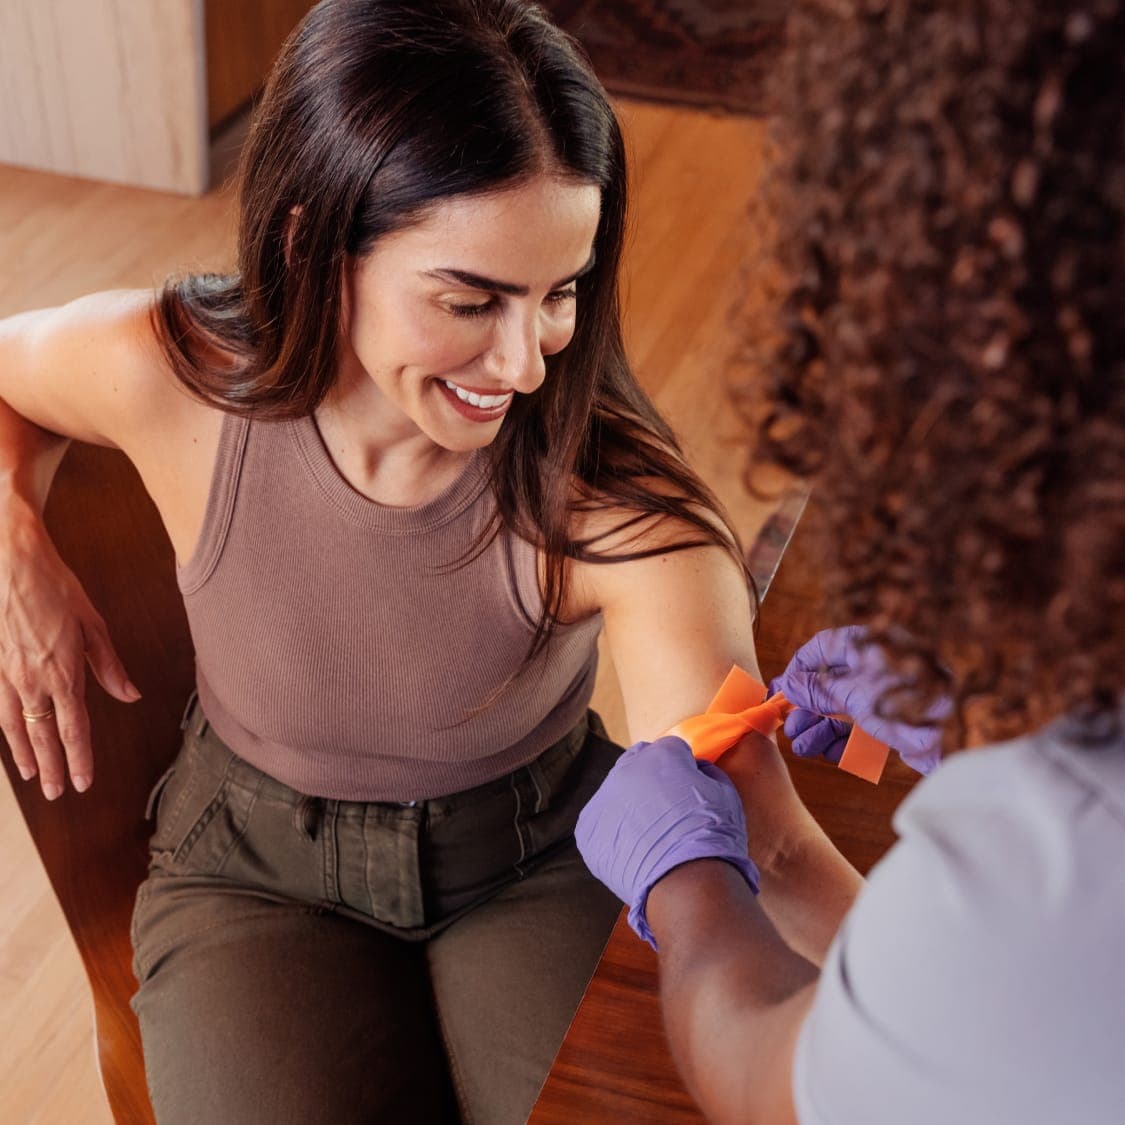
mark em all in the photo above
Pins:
pixel 308 960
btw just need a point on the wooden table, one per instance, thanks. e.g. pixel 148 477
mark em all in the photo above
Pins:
pixel 614 1065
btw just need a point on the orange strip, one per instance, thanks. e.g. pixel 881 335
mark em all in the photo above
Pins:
pixel 864 756
pixel 740 706
pixel 739 691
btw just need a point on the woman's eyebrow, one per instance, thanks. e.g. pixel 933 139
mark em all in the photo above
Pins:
pixel 491 285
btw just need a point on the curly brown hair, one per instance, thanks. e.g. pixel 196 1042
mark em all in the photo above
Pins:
pixel 951 375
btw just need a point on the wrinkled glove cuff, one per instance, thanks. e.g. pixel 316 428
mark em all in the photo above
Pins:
pixel 637 920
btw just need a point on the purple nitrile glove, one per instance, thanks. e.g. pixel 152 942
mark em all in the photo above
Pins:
pixel 836 674
pixel 659 808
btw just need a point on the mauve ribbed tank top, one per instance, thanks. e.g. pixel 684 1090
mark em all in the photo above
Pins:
pixel 341 649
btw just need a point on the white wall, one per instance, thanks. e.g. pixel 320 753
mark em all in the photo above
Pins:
pixel 108 89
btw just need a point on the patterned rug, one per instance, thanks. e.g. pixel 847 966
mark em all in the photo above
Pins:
pixel 708 53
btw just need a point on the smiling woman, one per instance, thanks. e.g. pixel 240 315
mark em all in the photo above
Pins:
pixel 450 344
pixel 408 474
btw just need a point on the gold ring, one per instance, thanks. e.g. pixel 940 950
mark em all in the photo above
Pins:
pixel 38 716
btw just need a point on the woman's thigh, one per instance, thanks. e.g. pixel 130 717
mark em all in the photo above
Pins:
pixel 507 979
pixel 254 1009
pixel 508 976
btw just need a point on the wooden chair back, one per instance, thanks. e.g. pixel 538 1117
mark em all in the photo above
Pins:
pixel 94 845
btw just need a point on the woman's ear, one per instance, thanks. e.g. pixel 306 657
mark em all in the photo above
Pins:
pixel 291 223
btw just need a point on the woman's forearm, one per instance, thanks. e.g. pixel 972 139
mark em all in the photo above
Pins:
pixel 806 890
pixel 807 886
pixel 29 458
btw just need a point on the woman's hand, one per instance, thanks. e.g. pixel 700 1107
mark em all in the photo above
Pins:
pixel 48 632
pixel 835 673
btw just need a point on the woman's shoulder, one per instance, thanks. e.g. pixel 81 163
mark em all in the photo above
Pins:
pixel 170 435
pixel 617 545
pixel 113 327
pixel 92 369
pixel 117 325
pixel 613 525
pixel 601 528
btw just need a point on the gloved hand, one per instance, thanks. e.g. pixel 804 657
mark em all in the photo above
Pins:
pixel 659 808
pixel 833 674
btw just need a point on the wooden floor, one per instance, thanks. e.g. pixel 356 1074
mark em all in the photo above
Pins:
pixel 693 175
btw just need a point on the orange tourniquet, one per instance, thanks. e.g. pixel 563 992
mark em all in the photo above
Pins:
pixel 740 706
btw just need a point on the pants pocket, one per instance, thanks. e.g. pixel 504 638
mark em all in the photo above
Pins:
pixel 548 821
pixel 200 816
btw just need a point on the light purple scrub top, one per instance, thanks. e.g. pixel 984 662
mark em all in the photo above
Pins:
pixel 980 977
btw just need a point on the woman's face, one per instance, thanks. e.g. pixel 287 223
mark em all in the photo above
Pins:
pixel 448 319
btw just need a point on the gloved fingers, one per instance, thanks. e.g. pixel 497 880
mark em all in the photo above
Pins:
pixel 817 691
pixel 722 791
pixel 814 736
pixel 670 746
pixel 831 653
pixel 907 739
pixel 918 747
pixel 633 750
pixel 940 710
pixel 663 751
pixel 830 648
pixel 925 763
pixel 799 720
pixel 712 771
pixel 824 739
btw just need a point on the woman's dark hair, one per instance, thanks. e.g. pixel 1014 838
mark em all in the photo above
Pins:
pixel 952 369
pixel 374 111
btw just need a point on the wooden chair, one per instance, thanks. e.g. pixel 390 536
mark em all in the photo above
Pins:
pixel 94 846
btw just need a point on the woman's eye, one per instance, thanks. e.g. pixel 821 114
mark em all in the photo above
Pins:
pixel 471 310
pixel 556 297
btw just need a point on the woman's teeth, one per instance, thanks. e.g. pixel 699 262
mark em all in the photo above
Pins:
pixel 483 402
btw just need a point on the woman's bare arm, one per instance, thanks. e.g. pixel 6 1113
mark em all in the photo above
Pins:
pixel 82 372
pixel 675 624
pixel 737 972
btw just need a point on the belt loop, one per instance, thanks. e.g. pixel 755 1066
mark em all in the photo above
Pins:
pixel 191 712
pixel 535 776
pixel 188 708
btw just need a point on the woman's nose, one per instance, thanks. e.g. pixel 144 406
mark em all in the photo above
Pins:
pixel 516 356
